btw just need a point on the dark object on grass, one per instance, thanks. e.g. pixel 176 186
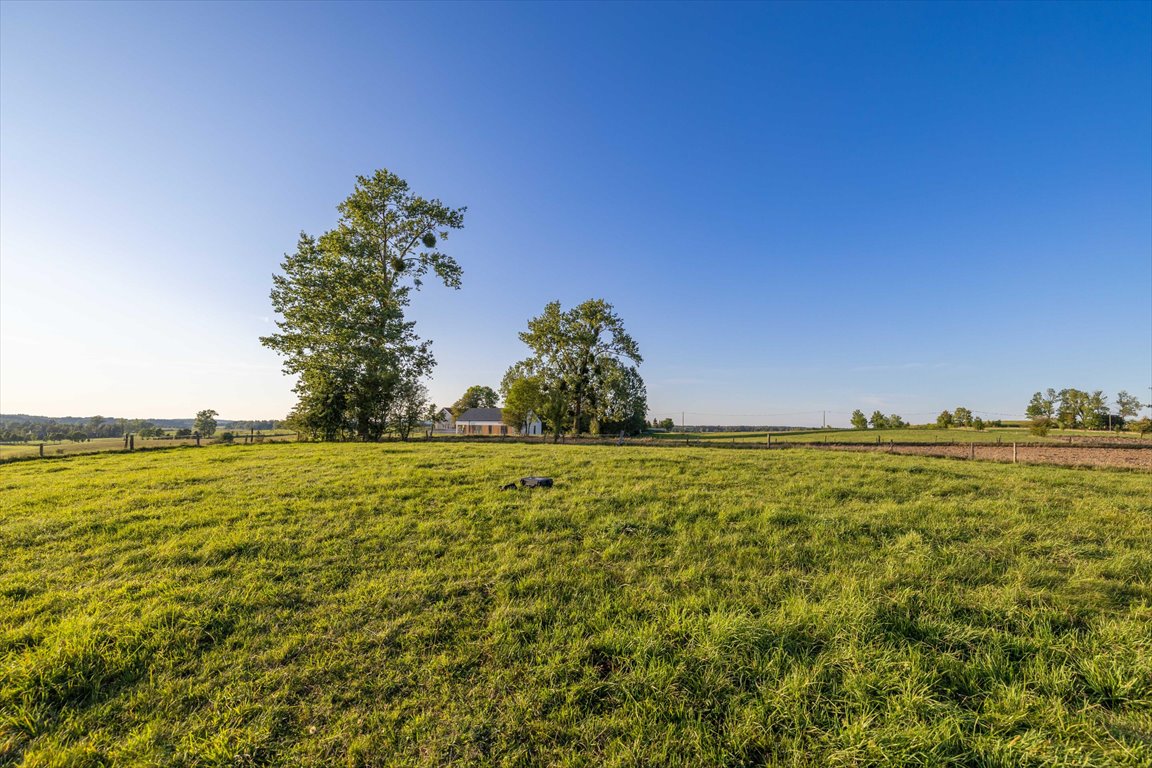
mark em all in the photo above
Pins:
pixel 529 482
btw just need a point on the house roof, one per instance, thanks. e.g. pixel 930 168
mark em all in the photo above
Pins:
pixel 481 414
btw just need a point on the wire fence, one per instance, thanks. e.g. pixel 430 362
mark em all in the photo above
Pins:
pixel 1132 450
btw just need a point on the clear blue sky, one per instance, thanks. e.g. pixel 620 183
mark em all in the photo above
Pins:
pixel 794 207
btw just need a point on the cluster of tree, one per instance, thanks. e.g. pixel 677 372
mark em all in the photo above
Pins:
pixel 581 375
pixel 358 362
pixel 962 417
pixel 665 424
pixel 1077 409
pixel 877 421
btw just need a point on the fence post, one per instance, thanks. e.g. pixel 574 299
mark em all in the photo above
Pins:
pixel 41 450
pixel 131 442
pixel 972 450
pixel 1013 453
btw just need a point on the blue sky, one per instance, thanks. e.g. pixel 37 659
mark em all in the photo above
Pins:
pixel 794 207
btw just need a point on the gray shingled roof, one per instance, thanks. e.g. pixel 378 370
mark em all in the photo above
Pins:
pixel 480 414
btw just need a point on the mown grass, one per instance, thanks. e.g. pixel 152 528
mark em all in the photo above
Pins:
pixel 304 604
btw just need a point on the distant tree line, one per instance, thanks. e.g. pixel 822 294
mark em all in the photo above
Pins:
pixel 21 429
pixel 39 429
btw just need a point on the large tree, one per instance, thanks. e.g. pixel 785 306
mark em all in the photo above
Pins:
pixel 341 300
pixel 476 396
pixel 206 422
pixel 1072 408
pixel 523 397
pixel 1042 405
pixel 586 363
pixel 1127 406
pixel 962 417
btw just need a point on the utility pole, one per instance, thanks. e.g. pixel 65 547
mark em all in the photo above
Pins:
pixel 823 419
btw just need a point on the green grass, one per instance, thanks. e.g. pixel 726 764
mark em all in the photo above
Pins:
pixel 918 435
pixel 302 604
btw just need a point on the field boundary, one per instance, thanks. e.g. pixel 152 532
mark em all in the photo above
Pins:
pixel 1125 454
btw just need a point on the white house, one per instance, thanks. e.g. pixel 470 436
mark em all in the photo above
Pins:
pixel 489 421
pixel 444 422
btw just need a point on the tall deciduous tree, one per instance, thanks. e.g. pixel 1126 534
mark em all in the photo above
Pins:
pixel 1096 414
pixel 859 420
pixel 1072 409
pixel 206 422
pixel 1127 406
pixel 341 301
pixel 1042 405
pixel 522 398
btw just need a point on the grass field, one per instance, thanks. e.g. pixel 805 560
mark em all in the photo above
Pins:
pixel 929 436
pixel 358 604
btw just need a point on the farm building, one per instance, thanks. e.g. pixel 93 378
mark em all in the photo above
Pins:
pixel 489 421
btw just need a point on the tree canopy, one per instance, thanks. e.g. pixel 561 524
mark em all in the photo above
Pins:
pixel 476 396
pixel 1073 408
pixel 341 299
pixel 584 364
pixel 206 422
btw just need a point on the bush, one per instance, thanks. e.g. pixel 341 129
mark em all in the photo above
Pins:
pixel 1040 426
pixel 227 437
